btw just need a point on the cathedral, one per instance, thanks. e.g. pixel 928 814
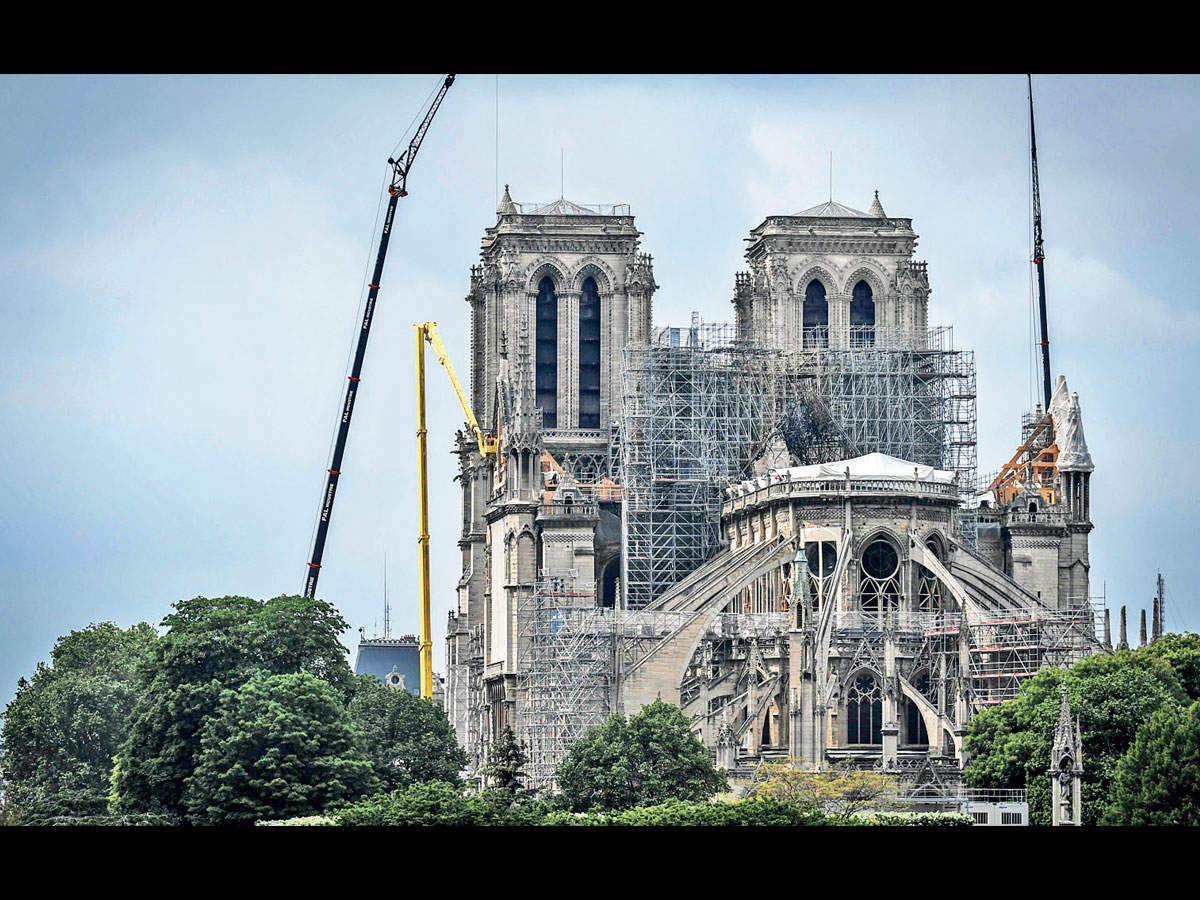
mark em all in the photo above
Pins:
pixel 776 524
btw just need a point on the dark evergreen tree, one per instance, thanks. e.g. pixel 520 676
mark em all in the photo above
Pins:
pixel 506 762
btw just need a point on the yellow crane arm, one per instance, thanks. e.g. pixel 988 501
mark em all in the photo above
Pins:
pixel 427 331
pixel 487 443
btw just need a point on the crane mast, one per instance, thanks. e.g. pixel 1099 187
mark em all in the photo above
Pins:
pixel 397 189
pixel 1039 254
pixel 427 331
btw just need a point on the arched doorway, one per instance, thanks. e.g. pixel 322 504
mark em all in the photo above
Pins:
pixel 610 584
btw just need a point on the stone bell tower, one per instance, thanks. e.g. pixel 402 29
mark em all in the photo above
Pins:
pixel 560 289
pixel 564 287
pixel 835 277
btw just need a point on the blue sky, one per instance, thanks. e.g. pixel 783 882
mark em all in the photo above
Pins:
pixel 181 260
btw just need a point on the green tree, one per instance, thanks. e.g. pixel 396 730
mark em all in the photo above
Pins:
pixel 408 739
pixel 1112 694
pixel 1182 653
pixel 278 746
pixel 65 724
pixel 649 758
pixel 213 645
pixel 1158 781
pixel 506 762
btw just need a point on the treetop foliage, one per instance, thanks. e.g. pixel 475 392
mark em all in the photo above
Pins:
pixel 65 723
pixel 213 645
pixel 650 757
pixel 1157 782
pixel 406 738
pixel 437 803
pixel 278 746
pixel 840 791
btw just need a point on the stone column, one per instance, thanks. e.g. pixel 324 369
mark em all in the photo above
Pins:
pixel 891 702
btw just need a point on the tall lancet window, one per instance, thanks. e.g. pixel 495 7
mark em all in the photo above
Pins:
pixel 589 355
pixel 546 362
pixel 862 316
pixel 816 315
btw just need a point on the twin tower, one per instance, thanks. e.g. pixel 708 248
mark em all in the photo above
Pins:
pixel 562 288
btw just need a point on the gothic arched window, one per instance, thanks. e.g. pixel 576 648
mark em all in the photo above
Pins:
pixel 816 315
pixel 589 355
pixel 915 731
pixel 546 362
pixel 864 711
pixel 879 582
pixel 862 315
pixel 929 588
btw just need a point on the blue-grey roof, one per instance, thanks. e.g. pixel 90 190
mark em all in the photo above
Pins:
pixel 379 656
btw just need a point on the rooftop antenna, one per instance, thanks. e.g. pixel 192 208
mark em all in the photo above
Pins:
pixel 562 173
pixel 830 176
pixel 1039 254
pixel 497 138
pixel 387 609
pixel 1161 586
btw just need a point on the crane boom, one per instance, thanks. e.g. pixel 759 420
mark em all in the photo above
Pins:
pixel 487 444
pixel 1039 253
pixel 398 188
pixel 427 331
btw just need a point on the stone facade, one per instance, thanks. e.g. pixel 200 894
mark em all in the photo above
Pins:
pixel 841 617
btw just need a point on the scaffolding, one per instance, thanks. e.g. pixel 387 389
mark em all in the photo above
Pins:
pixel 1007 647
pixel 699 407
pixel 566 670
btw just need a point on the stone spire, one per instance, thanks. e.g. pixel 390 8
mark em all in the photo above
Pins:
pixel 876 209
pixel 1107 629
pixel 1156 626
pixel 1123 637
pixel 506 204
pixel 1064 738
pixel 1066 767
pixel 1142 630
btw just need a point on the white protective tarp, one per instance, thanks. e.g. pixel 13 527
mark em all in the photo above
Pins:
pixel 1073 455
pixel 872 467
